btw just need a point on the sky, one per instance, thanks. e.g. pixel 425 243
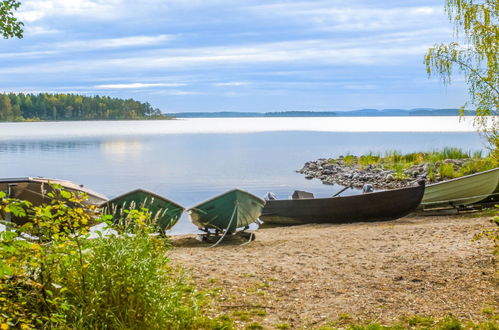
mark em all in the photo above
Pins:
pixel 233 55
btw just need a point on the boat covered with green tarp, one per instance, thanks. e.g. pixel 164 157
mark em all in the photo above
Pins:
pixel 164 212
pixel 462 191
pixel 227 212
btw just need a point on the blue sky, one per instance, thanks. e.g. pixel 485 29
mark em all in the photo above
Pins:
pixel 233 55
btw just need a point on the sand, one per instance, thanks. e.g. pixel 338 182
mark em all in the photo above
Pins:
pixel 309 275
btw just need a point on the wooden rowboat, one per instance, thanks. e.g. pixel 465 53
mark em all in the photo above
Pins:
pixel 227 212
pixel 461 191
pixel 164 212
pixel 375 206
pixel 35 191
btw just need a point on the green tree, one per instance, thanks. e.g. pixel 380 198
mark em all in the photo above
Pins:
pixel 6 111
pixel 475 55
pixel 10 26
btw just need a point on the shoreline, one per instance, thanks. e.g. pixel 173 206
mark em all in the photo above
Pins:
pixel 309 275
pixel 339 171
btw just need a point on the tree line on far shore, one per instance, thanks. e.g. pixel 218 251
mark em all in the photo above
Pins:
pixel 44 106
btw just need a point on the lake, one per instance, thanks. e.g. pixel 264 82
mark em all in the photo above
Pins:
pixel 191 160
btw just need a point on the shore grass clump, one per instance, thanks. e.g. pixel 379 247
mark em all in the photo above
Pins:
pixel 415 322
pixel 54 275
pixel 447 163
pixel 394 169
pixel 369 159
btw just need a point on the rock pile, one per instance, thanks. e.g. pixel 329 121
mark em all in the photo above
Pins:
pixel 337 171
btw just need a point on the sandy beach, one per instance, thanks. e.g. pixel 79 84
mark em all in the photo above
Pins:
pixel 309 275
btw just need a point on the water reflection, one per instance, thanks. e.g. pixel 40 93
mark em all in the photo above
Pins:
pixel 49 146
pixel 122 149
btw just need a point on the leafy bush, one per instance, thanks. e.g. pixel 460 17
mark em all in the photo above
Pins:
pixel 52 275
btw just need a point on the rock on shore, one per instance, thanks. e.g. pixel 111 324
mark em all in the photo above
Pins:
pixel 337 171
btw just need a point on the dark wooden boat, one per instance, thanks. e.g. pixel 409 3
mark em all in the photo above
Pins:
pixel 35 191
pixel 375 206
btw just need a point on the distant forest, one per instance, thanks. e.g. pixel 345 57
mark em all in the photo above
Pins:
pixel 43 106
pixel 350 113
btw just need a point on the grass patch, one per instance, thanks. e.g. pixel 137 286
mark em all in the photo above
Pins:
pixel 254 326
pixel 416 322
pixel 438 163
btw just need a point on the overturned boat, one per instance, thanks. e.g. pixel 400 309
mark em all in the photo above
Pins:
pixel 36 189
pixel 373 206
pixel 227 212
pixel 462 191
pixel 164 213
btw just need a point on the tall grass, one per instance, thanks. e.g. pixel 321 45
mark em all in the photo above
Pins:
pixel 369 159
pixel 65 280
pixel 394 160
pixel 129 284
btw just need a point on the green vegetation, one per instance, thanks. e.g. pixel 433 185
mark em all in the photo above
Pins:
pixel 475 55
pixel 52 275
pixel 416 322
pixel 31 107
pixel 10 27
pixel 436 163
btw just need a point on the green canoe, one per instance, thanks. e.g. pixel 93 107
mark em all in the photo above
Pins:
pixel 163 211
pixel 465 190
pixel 227 212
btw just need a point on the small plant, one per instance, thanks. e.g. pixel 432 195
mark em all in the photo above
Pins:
pixel 431 173
pixel 369 159
pixel 349 159
pixel 399 172
pixel 254 326
pixel 446 171
pixel 419 321
pixel 282 325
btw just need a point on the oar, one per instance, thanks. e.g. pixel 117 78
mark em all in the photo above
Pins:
pixel 342 190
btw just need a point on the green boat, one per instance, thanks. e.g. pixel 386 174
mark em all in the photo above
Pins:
pixel 461 191
pixel 163 211
pixel 227 212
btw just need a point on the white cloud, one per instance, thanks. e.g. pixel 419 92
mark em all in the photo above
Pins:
pixel 34 30
pixel 318 52
pixel 175 92
pixel 352 17
pixel 231 83
pixel 27 54
pixel 115 42
pixel 35 10
pixel 138 85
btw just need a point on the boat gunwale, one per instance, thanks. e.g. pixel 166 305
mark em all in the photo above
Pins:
pixel 356 195
pixel 142 190
pixel 223 194
pixel 464 177
pixel 45 180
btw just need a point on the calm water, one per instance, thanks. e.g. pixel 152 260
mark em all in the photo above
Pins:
pixel 191 160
